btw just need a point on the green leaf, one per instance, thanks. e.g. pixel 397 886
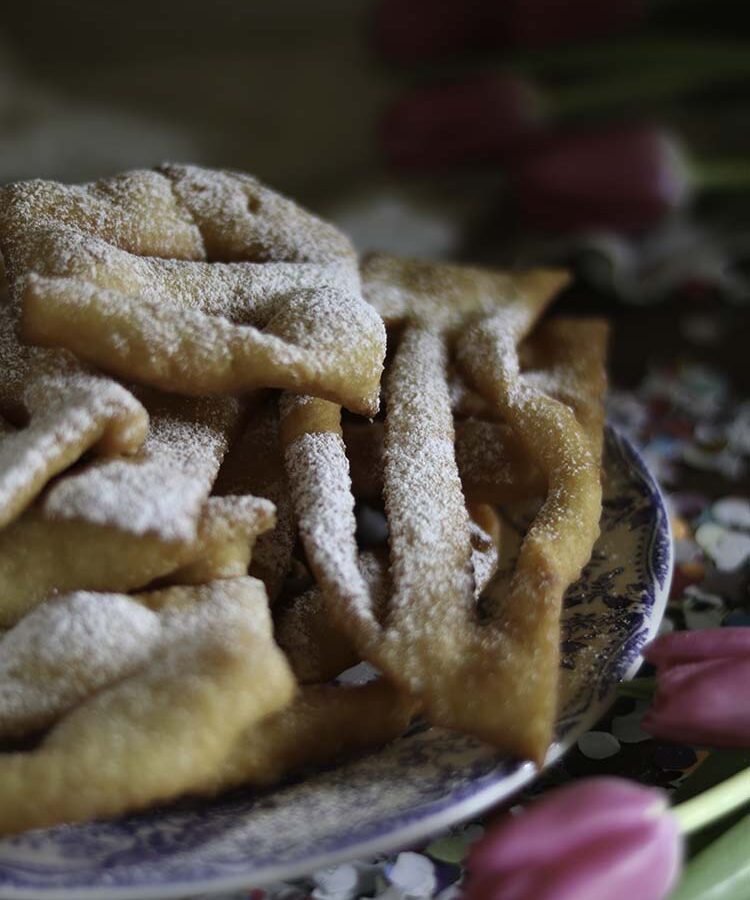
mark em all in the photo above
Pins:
pixel 721 871
pixel 717 767
pixel 637 688
pixel 451 849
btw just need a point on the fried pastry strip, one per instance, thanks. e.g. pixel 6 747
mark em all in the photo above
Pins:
pixel 318 650
pixel 565 443
pixel 318 474
pixel 446 298
pixel 161 490
pixel 324 725
pixel 40 556
pixel 166 729
pixel 67 649
pixel 267 296
pixel 432 643
pixel 254 465
pixel 62 411
pixel 492 461
pixel 228 531
pixel 424 643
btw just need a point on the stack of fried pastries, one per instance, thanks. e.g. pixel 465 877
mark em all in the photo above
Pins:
pixel 206 517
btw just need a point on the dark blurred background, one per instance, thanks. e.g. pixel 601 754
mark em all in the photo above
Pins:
pixel 614 137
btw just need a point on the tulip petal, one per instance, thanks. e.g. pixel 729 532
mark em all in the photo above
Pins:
pixel 626 178
pixel 570 817
pixel 703 703
pixel 603 837
pixel 690 646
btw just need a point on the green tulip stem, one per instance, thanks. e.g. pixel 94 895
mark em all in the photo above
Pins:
pixel 637 688
pixel 713 804
pixel 720 175
pixel 612 91
pixel 633 54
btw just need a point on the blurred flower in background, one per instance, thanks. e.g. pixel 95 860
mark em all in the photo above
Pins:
pixel 604 132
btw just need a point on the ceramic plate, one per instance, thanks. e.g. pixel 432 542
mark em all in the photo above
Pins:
pixel 424 782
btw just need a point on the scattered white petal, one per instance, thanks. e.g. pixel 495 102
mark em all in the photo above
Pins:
pixel 337 883
pixel 734 512
pixel 598 745
pixel 728 549
pixel 413 875
pixel 362 673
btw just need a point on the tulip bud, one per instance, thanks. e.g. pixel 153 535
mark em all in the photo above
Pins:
pixel 480 119
pixel 700 687
pixel 593 839
pixel 624 178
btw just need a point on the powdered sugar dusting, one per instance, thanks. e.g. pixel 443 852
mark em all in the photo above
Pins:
pixel 65 650
pixel 318 472
pixel 438 295
pixel 136 212
pixel 253 291
pixel 65 412
pixel 240 218
pixel 162 489
pixel 433 585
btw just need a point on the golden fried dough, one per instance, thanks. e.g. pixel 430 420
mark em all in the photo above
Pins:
pixel 187 321
pixel 160 490
pixel 228 531
pixel 67 649
pixel 445 298
pixel 325 724
pixel 54 411
pixel 40 556
pixel 432 644
pixel 163 731
pixel 564 441
pixel 318 650
pixel 254 465
pixel 242 327
pixel 493 463
pixel 318 474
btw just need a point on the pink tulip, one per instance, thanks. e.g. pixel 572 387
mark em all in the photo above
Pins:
pixel 594 839
pixel 701 694
pixel 480 119
pixel 621 178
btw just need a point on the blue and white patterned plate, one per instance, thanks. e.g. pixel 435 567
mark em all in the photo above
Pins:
pixel 421 784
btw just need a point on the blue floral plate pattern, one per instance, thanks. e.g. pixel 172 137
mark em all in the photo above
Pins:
pixel 424 782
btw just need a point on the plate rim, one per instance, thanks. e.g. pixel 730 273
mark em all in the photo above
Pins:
pixel 448 813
